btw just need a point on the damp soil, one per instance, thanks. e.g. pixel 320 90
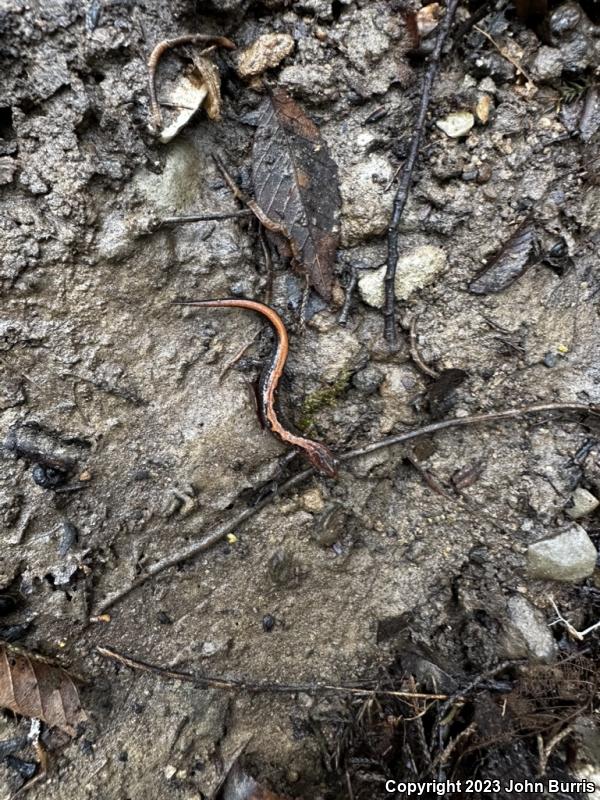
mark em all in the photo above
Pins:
pixel 124 441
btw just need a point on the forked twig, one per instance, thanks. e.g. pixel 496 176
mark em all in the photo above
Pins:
pixel 414 350
pixel 580 635
pixel 389 308
pixel 219 532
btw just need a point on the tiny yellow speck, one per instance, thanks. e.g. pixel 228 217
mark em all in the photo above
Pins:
pixel 232 538
pixel 62 643
pixel 562 348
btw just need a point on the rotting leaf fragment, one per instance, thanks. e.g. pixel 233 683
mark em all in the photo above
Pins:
pixel 34 688
pixel 296 185
pixel 509 263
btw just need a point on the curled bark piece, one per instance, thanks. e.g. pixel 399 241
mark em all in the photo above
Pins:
pixel 168 44
pixel 508 264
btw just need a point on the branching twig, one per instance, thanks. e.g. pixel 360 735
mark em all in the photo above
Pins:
pixel 219 532
pixel 580 635
pixel 389 308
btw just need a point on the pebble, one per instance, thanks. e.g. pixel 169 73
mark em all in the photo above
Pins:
pixel 265 53
pixel 570 556
pixel 482 108
pixel 414 271
pixel 526 632
pixel 550 359
pixel 368 380
pixel 312 501
pixel 581 504
pixel 548 64
pixel 456 124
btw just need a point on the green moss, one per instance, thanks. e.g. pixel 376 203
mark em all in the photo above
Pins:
pixel 322 398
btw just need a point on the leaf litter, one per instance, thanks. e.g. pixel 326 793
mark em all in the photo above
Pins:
pixel 296 185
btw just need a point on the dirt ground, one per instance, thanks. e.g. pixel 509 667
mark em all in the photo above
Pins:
pixel 98 368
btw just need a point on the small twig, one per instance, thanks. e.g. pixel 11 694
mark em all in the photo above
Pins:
pixel 580 635
pixel 237 356
pixel 156 55
pixel 389 308
pixel 504 54
pixel 414 350
pixel 238 684
pixel 429 478
pixel 218 215
pixel 442 758
pixel 352 281
pixel 268 263
pixel 219 532
pixel 545 749
pixel 262 217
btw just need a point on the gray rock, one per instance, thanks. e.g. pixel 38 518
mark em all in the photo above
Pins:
pixel 548 64
pixel 570 556
pixel 414 270
pixel 368 380
pixel 581 504
pixel 456 124
pixel 526 632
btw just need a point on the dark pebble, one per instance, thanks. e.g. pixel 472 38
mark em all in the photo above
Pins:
pixel 7 604
pixel 268 623
pixel 123 756
pixel 12 633
pixel 68 538
pixel 164 618
pixel 26 769
pixel 141 475
pixel 48 477
pixel 550 359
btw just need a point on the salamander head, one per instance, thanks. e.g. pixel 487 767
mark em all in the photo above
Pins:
pixel 321 458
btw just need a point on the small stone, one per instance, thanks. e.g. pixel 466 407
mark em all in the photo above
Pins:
pixel 487 85
pixel 484 173
pixel 457 124
pixel 565 18
pixel 581 504
pixel 550 359
pixel 8 168
pixel 570 556
pixel 312 501
pixel 526 632
pixel 231 538
pixel 415 270
pixel 265 53
pixel 268 623
pixel 170 771
pixel 548 64
pixel 368 380
pixel 482 108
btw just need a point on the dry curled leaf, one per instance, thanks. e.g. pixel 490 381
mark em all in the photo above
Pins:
pixel 296 185
pixel 264 53
pixel 32 687
pixel 508 264
pixel 241 786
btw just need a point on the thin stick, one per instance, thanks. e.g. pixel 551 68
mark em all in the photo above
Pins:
pixel 212 682
pixel 344 313
pixel 504 54
pixel 414 350
pixel 389 308
pixel 219 532
pixel 156 55
pixel 237 356
pixel 204 217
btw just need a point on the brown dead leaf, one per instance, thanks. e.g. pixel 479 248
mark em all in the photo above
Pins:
pixel 32 687
pixel 296 185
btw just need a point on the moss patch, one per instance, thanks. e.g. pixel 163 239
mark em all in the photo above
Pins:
pixel 322 398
